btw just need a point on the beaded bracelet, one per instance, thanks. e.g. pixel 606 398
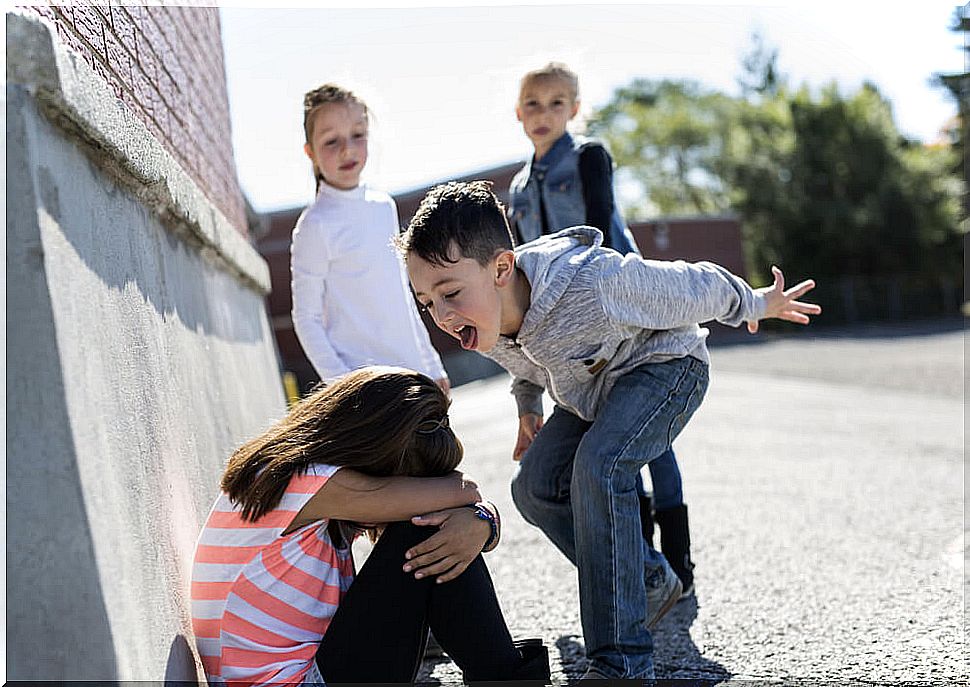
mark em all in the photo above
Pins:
pixel 485 514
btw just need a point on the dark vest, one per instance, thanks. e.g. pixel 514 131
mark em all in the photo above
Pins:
pixel 557 175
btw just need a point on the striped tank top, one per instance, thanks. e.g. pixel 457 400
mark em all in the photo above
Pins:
pixel 261 602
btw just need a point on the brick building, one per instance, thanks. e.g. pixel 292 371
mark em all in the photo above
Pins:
pixel 139 352
pixel 676 238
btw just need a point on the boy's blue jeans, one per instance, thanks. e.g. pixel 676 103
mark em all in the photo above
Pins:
pixel 577 482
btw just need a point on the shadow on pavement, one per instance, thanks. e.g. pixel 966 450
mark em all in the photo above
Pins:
pixel 677 660
pixel 676 656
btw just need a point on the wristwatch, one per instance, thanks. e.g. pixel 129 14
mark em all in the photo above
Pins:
pixel 492 519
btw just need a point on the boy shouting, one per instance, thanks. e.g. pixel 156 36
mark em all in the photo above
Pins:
pixel 616 342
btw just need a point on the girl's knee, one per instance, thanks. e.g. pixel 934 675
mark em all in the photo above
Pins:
pixel 405 534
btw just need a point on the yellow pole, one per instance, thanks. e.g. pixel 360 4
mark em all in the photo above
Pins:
pixel 290 388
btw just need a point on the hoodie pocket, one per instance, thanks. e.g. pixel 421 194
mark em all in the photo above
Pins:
pixel 584 369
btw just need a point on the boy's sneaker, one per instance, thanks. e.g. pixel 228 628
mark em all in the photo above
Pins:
pixel 663 592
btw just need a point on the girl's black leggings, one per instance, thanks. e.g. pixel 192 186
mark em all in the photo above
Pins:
pixel 379 630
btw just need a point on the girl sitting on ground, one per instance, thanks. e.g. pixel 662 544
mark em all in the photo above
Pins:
pixel 274 594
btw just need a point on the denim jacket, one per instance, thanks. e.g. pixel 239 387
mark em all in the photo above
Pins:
pixel 562 194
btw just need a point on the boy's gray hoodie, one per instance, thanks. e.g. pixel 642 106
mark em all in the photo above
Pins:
pixel 595 315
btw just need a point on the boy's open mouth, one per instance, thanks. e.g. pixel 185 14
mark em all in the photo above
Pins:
pixel 468 335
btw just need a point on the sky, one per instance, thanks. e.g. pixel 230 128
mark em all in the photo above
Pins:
pixel 441 82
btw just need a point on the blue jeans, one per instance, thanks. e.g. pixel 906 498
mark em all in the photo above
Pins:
pixel 578 481
pixel 667 487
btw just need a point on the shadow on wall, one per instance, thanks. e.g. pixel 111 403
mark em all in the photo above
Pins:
pixel 124 243
pixel 180 667
pixel 57 625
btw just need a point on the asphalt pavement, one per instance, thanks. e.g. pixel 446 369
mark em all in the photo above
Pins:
pixel 824 475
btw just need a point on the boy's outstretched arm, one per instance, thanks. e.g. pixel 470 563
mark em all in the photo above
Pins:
pixel 782 304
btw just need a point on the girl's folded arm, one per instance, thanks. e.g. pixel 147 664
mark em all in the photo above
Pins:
pixel 352 495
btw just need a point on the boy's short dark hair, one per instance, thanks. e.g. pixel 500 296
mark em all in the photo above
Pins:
pixel 467 214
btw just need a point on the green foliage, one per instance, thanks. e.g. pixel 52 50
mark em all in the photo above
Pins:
pixel 667 135
pixel 841 192
pixel 759 69
pixel 824 182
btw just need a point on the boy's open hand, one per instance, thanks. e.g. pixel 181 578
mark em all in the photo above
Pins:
pixel 781 304
pixel 446 553
pixel 529 426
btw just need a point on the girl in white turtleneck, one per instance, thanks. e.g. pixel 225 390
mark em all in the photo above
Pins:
pixel 352 306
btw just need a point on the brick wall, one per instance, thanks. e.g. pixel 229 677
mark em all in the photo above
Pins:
pixel 166 65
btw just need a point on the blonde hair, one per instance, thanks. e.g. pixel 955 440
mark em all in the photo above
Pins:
pixel 326 94
pixel 552 70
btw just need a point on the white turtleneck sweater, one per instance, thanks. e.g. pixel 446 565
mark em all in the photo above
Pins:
pixel 352 305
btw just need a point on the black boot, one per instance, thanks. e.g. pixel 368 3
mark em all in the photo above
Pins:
pixel 535 660
pixel 675 544
pixel 646 518
pixel 534 668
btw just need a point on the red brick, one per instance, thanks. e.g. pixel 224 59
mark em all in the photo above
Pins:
pixel 162 16
pixel 164 121
pixel 104 15
pixel 124 28
pixel 143 89
pixel 71 40
pixel 166 64
pixel 159 106
pixel 151 40
pixel 66 12
pixel 117 57
pixel 166 87
pixel 88 25
pixel 45 11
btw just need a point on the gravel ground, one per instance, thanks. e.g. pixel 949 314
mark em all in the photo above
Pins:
pixel 824 475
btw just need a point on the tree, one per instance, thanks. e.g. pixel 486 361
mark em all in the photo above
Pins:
pixel 759 69
pixel 958 86
pixel 824 182
pixel 666 136
pixel 834 189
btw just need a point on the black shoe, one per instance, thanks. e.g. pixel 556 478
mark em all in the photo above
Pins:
pixel 534 669
pixel 535 660
pixel 675 544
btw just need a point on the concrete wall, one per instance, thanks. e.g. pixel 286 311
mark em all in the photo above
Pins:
pixel 138 356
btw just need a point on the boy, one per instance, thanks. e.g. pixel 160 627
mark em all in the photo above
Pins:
pixel 569 182
pixel 615 340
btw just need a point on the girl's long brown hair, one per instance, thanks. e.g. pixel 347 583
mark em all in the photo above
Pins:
pixel 381 421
